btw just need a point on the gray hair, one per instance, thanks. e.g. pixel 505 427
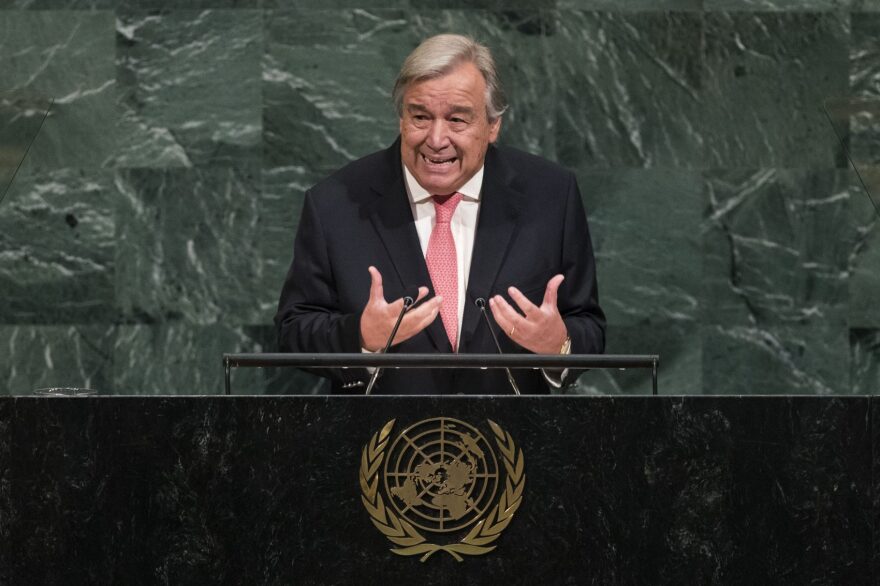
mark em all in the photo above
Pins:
pixel 440 54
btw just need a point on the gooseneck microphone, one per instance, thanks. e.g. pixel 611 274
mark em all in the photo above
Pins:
pixel 481 304
pixel 408 301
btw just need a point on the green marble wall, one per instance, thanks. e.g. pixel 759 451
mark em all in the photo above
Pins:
pixel 150 228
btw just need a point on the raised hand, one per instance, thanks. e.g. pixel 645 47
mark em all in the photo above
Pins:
pixel 538 329
pixel 378 317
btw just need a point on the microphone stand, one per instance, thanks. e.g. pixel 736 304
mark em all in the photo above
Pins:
pixel 481 304
pixel 407 303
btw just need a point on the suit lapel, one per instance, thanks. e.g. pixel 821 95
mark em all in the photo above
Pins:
pixel 391 216
pixel 496 228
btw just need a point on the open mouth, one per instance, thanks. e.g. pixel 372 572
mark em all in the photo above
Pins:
pixel 439 161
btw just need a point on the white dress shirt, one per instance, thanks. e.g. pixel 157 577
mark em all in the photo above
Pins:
pixel 463 226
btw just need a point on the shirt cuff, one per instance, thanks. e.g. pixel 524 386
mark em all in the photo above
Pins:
pixel 554 376
pixel 370 369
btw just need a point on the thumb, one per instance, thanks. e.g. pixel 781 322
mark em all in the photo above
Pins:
pixel 377 293
pixel 550 294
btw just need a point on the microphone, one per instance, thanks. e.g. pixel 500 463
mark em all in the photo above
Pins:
pixel 408 301
pixel 481 304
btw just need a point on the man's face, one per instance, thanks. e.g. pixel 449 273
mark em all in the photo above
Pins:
pixel 444 129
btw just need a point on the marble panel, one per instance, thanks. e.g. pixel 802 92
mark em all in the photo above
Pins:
pixel 488 5
pixel 865 361
pixel 281 204
pixel 327 79
pixel 645 225
pixel 861 129
pixel 628 89
pixel 174 520
pixel 785 458
pixel 37 357
pixel 765 77
pixel 864 75
pixel 185 359
pixel 777 245
pixel 777 5
pixel 875 485
pixel 864 264
pixel 189 246
pixel 59 4
pixel 618 490
pixel 22 115
pixel 7 508
pixel 68 57
pixel 864 56
pixel 6 175
pixel 810 359
pixel 57 236
pixel 128 4
pixel 189 90
pixel 327 5
pixel 68 475
pixel 55 356
pixel 680 371
pixel 865 5
pixel 631 5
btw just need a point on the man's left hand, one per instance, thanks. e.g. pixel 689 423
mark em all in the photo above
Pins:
pixel 537 329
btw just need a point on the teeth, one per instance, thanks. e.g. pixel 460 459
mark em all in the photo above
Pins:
pixel 438 161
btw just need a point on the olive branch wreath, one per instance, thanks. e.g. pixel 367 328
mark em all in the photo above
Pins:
pixel 400 532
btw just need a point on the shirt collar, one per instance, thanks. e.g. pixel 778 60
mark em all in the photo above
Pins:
pixel 418 194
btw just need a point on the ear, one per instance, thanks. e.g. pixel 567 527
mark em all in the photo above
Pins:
pixel 494 129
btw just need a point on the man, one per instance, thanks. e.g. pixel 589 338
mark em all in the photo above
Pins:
pixel 446 210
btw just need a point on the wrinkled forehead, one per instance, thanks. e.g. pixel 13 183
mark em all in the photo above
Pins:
pixel 463 89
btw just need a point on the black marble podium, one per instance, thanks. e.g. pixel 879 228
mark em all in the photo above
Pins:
pixel 259 490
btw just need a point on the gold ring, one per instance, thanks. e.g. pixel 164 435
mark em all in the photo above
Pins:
pixel 512 330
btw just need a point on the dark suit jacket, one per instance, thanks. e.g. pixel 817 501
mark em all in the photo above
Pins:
pixel 531 226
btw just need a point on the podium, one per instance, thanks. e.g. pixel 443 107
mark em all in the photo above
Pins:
pixel 267 490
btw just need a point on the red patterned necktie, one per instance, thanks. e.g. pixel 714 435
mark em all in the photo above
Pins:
pixel 443 263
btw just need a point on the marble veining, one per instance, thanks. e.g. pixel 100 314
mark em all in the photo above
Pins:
pixel 67 57
pixel 57 244
pixel 189 88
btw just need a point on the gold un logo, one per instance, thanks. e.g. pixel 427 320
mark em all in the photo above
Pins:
pixel 441 477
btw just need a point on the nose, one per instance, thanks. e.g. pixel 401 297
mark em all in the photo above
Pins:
pixel 438 135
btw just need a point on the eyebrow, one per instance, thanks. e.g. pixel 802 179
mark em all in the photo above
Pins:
pixel 453 110
pixel 461 110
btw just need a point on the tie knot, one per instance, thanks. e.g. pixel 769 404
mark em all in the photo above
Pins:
pixel 444 206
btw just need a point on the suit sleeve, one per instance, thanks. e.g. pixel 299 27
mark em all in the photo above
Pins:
pixel 578 298
pixel 309 318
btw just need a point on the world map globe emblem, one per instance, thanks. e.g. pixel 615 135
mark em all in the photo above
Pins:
pixel 441 474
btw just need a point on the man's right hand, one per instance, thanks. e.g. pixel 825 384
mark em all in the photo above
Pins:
pixel 378 317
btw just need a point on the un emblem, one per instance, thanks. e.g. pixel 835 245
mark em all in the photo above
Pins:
pixel 441 476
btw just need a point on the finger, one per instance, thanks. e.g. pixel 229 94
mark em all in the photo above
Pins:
pixel 500 319
pixel 506 315
pixel 418 319
pixel 522 301
pixel 397 304
pixel 512 313
pixel 417 313
pixel 423 292
pixel 550 294
pixel 377 294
